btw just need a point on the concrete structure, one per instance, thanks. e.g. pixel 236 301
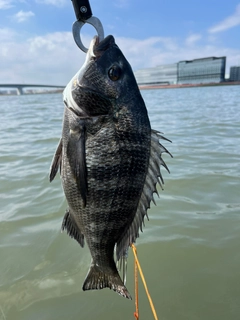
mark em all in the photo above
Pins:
pixel 234 73
pixel 204 70
pixel 20 87
pixel 197 71
pixel 164 74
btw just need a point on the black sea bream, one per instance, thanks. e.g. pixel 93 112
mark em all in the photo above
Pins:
pixel 109 160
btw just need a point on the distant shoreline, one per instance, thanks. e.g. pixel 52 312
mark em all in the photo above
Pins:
pixel 146 87
pixel 30 93
pixel 176 86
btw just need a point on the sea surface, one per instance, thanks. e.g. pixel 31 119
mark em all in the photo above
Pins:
pixel 189 250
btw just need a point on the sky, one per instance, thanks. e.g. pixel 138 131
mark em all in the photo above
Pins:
pixel 37 46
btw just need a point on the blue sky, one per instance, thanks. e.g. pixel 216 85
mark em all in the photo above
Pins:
pixel 36 43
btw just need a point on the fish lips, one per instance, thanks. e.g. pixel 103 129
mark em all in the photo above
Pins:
pixel 98 48
pixel 100 56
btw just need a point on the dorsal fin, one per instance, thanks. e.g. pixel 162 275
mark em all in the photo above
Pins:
pixel 152 178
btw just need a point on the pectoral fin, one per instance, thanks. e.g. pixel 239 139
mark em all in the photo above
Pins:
pixel 77 158
pixel 56 162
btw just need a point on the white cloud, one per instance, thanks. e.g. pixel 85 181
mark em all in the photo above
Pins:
pixel 51 59
pixel 147 52
pixel 54 58
pixel 156 51
pixel 229 22
pixel 192 39
pixel 57 3
pixel 5 4
pixel 5 35
pixel 22 16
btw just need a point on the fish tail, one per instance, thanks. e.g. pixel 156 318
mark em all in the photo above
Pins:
pixel 99 279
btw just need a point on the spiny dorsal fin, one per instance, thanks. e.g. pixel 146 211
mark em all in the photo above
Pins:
pixel 152 178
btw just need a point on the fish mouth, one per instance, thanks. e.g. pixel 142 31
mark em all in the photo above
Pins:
pixel 97 47
pixel 94 43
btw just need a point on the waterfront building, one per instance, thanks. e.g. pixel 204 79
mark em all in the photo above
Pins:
pixel 204 70
pixel 163 74
pixel 234 74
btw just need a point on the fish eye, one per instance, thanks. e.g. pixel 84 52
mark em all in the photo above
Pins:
pixel 114 73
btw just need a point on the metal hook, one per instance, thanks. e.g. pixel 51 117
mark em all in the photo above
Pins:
pixel 76 28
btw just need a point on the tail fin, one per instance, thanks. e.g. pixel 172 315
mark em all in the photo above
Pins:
pixel 99 279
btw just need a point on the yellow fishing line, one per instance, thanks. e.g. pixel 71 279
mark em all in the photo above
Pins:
pixel 136 314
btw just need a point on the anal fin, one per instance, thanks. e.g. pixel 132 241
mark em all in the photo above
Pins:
pixel 72 229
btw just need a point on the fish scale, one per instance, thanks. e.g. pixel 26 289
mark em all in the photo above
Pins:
pixel 109 160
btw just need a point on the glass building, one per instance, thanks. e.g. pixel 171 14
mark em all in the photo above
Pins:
pixel 234 74
pixel 164 74
pixel 204 70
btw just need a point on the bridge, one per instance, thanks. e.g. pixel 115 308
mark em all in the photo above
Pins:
pixel 20 87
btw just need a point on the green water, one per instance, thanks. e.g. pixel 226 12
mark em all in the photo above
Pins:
pixel 189 250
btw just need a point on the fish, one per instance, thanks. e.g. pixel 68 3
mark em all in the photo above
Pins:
pixel 109 161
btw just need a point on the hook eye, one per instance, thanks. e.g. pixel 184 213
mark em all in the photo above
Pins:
pixel 77 26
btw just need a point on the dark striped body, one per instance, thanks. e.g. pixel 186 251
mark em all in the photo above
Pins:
pixel 117 155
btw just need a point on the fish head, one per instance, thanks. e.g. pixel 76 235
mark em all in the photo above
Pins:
pixel 105 76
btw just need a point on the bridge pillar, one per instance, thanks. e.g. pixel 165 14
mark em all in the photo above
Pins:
pixel 20 91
